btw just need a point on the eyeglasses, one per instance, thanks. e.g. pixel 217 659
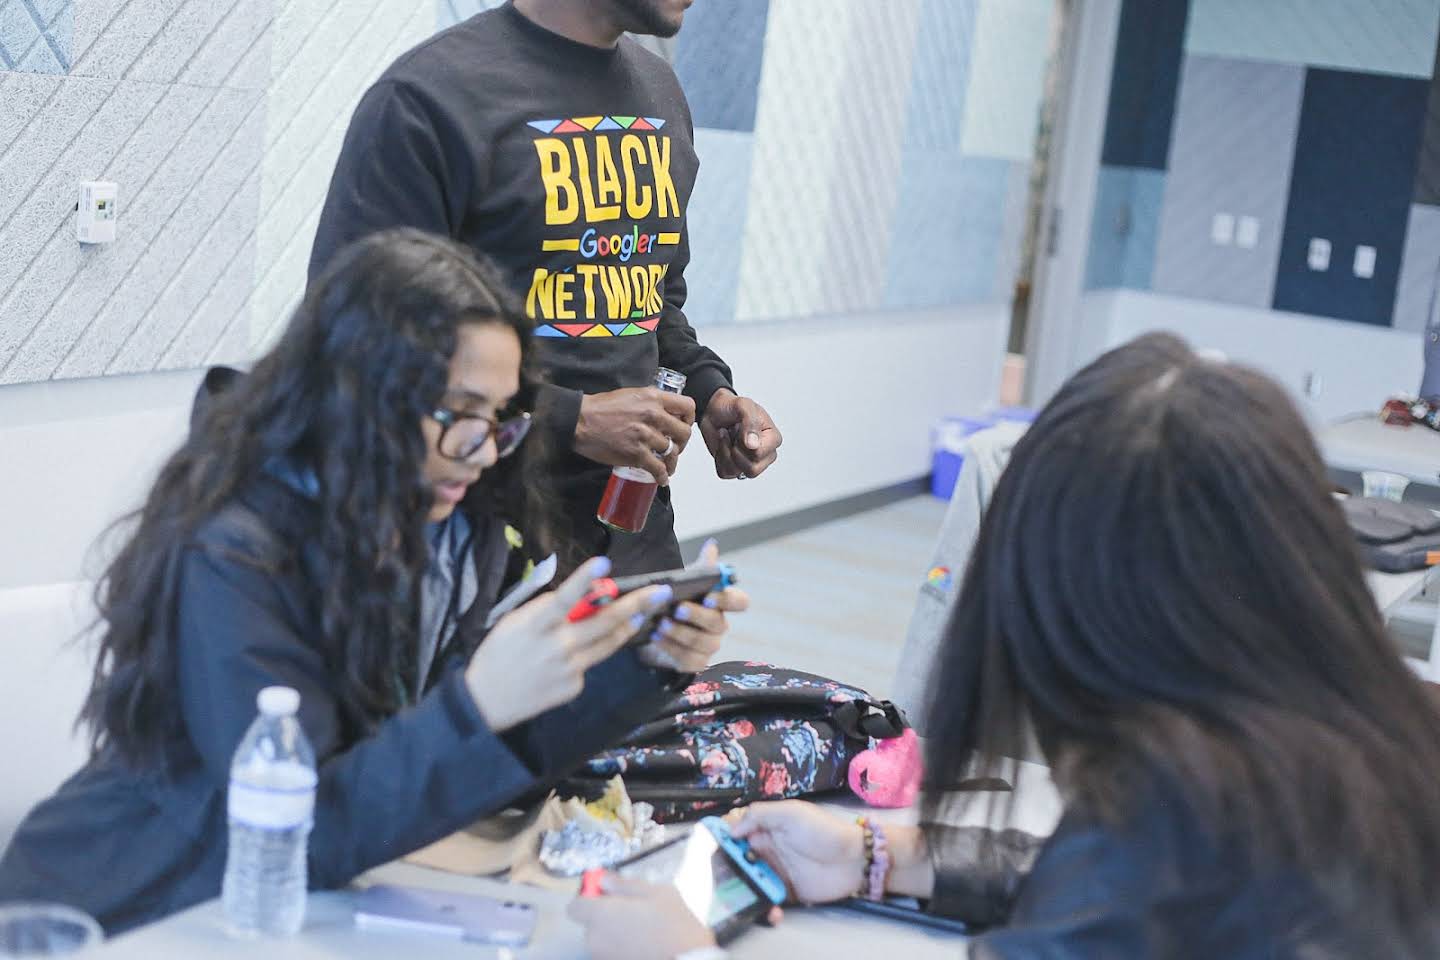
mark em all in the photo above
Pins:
pixel 463 434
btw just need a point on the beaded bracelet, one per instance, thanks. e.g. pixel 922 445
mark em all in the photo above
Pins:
pixel 877 860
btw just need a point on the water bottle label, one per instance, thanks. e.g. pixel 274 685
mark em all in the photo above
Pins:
pixel 278 807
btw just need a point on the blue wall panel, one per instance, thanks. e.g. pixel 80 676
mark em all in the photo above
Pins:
pixel 1148 52
pixel 1351 184
pixel 718 57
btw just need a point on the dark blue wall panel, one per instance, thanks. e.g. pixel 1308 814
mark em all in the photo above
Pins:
pixel 1353 176
pixel 718 58
pixel 1148 51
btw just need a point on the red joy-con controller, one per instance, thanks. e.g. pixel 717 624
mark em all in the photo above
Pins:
pixel 603 593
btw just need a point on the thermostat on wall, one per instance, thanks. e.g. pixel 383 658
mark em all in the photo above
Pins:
pixel 95 219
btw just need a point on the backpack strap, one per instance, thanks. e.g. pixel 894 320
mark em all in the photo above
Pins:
pixel 866 719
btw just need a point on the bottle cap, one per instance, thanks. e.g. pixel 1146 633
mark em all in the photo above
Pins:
pixel 278 701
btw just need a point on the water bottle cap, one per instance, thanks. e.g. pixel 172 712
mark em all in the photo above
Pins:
pixel 278 701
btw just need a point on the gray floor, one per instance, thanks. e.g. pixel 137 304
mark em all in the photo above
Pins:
pixel 835 600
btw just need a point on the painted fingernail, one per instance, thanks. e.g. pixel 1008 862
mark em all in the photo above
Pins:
pixel 662 596
pixel 666 626
pixel 682 612
pixel 600 566
pixel 637 621
pixel 655 637
pixel 712 601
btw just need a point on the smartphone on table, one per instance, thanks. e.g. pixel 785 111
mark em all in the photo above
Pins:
pixel 464 916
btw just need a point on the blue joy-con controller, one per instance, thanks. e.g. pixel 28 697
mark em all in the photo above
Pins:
pixel 746 860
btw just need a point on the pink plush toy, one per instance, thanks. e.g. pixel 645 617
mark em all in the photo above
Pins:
pixel 888 774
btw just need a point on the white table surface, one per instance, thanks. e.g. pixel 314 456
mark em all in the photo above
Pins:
pixel 1391 590
pixel 330 933
pixel 1364 443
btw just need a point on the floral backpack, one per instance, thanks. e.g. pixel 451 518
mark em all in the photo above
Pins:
pixel 742 732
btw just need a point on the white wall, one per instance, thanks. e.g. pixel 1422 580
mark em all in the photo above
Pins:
pixel 74 456
pixel 1352 367
pixel 854 397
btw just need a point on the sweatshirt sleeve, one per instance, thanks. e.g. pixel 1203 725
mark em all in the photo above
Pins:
pixel 394 170
pixel 421 775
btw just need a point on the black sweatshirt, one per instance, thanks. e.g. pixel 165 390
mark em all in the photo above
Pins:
pixel 571 166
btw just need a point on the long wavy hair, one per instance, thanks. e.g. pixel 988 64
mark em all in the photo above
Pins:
pixel 1166 589
pixel 343 393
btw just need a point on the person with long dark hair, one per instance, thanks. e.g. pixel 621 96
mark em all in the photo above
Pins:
pixel 1166 592
pixel 336 522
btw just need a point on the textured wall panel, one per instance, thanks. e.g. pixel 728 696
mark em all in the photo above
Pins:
pixel 1124 229
pixel 1234 141
pixel 1417 297
pixel 315 88
pixel 68 285
pixel 1007 75
pixel 948 223
pixel 451 12
pixel 37 36
pixel 827 157
pixel 166 98
pixel 940 75
pixel 1353 176
pixel 1378 36
pixel 716 222
pixel 118 44
pixel 717 58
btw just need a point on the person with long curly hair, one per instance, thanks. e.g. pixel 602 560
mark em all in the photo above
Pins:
pixel 338 521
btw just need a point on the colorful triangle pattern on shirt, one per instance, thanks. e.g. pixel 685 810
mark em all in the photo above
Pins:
pixel 582 124
pixel 570 330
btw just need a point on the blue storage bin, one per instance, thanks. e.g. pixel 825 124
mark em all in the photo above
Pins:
pixel 947 450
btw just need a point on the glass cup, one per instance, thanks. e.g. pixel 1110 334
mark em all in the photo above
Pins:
pixel 1385 486
pixel 45 930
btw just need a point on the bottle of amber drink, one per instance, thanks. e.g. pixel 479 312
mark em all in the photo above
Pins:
pixel 626 503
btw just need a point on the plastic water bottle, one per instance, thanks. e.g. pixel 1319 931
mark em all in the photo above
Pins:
pixel 271 806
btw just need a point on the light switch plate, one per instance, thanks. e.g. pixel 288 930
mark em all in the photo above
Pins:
pixel 1222 229
pixel 96 211
pixel 1364 262
pixel 1247 233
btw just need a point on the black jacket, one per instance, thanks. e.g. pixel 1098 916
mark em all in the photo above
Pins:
pixel 128 847
pixel 1158 886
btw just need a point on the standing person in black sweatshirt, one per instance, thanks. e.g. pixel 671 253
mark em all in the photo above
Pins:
pixel 541 135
